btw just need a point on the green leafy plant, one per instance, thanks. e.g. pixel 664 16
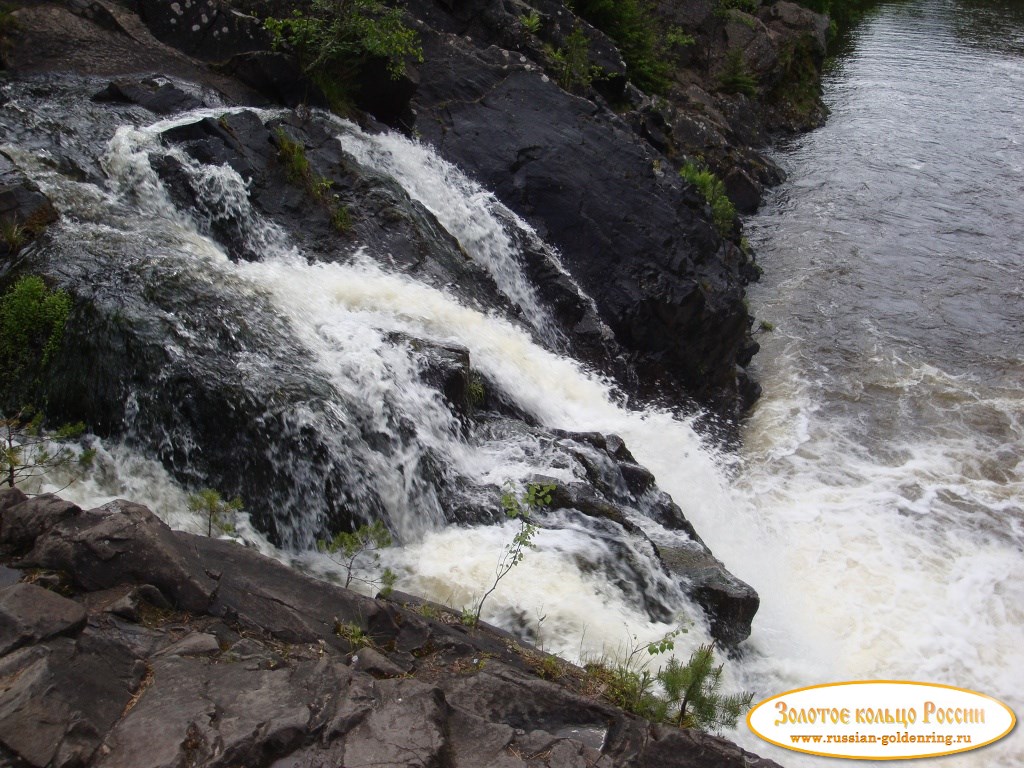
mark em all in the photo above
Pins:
pixel 531 21
pixel 638 33
pixel 723 212
pixel 219 514
pixel 693 693
pixel 32 321
pixel 517 508
pixel 13 235
pixel 747 6
pixel 476 391
pixel 336 37
pixel 735 76
pixel 573 62
pixel 356 635
pixel 292 155
pixel 767 326
pixel 365 543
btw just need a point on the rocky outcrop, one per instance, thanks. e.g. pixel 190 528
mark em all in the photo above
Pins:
pixel 108 666
pixel 24 209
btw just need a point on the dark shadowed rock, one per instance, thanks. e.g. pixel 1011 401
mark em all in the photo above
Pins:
pixel 22 206
pixel 156 95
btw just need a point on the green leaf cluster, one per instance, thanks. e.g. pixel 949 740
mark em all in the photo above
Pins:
pixel 641 39
pixel 723 212
pixel 292 155
pixel 32 320
pixel 336 38
pixel 736 77
pixel 27 450
pixel 365 542
pixel 685 695
pixel 220 514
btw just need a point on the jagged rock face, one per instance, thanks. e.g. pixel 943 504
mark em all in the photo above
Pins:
pixel 113 673
pixel 634 238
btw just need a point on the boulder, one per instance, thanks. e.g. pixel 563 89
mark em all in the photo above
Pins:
pixel 29 614
pixel 117 543
pixel 24 209
pixel 158 95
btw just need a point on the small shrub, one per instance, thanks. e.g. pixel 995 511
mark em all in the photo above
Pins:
pixel 516 508
pixel 13 235
pixel 735 77
pixel 476 392
pixel 637 32
pixel 219 514
pixel 747 6
pixel 341 219
pixel 531 22
pixel 27 451
pixel 347 549
pixel 573 62
pixel 336 38
pixel 692 693
pixel 353 633
pixel 767 326
pixel 32 321
pixel 723 212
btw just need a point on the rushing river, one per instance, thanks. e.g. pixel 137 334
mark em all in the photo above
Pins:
pixel 886 461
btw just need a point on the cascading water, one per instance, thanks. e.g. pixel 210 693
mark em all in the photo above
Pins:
pixel 867 562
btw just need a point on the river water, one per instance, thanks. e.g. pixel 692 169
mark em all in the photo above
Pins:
pixel 886 461
pixel 878 503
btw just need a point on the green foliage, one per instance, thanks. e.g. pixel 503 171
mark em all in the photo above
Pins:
pixel 767 326
pixel 13 235
pixel 476 390
pixel 677 37
pixel 219 514
pixel 341 219
pixel 723 212
pixel 638 35
pixel 531 22
pixel 693 695
pixel 518 508
pixel 361 544
pixel 573 62
pixel 27 451
pixel 8 25
pixel 337 37
pixel 735 77
pixel 686 695
pixel 843 13
pixel 356 635
pixel 32 320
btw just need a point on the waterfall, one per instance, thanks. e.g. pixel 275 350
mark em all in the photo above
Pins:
pixel 847 593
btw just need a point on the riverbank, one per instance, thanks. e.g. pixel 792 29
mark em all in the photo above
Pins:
pixel 127 644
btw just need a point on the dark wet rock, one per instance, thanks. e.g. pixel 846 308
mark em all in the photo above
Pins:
pixel 214 686
pixel 637 242
pixel 743 191
pixel 24 209
pixel 277 76
pixel 207 29
pixel 156 95
pixel 729 603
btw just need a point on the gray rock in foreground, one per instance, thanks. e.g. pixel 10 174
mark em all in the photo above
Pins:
pixel 151 648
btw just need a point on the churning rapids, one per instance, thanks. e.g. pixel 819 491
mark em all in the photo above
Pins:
pixel 877 503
